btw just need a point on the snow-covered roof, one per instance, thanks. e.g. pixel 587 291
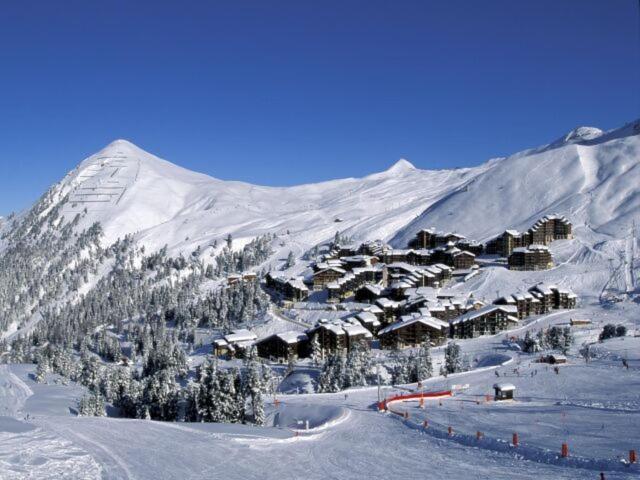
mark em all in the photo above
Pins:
pixel 353 330
pixel 373 309
pixel 291 337
pixel 240 335
pixel 375 289
pixel 385 302
pixel 504 387
pixel 508 309
pixel 339 270
pixel 408 320
pixel 368 318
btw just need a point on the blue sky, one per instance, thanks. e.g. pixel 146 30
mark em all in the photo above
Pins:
pixel 285 92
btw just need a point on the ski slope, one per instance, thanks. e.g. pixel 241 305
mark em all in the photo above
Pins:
pixel 348 438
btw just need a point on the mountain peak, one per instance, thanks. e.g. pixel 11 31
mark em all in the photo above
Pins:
pixel 583 133
pixel 401 166
pixel 120 146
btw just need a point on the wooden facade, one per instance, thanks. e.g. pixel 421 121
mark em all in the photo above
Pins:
pixel 283 346
pixel 325 276
pixel 533 257
pixel 487 320
pixel 412 331
pixel 543 232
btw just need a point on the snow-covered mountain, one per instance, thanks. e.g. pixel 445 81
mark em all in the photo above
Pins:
pixel 589 176
pixel 130 191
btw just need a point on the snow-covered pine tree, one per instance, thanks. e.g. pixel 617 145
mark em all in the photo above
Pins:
pixel 452 359
pixel 402 368
pixel 332 376
pixel 357 366
pixel 567 340
pixel 290 262
pixel 530 344
pixel 253 387
pixel 317 354
pixel 41 370
pixel 423 362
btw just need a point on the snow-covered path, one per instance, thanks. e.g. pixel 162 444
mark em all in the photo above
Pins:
pixel 363 445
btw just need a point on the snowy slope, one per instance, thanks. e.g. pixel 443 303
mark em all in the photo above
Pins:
pixel 589 176
pixel 131 191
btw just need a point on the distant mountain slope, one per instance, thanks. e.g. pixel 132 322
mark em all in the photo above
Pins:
pixel 591 177
pixel 56 252
pixel 130 191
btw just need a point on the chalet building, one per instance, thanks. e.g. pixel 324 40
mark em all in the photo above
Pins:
pixel 330 336
pixel 396 289
pixel 348 284
pixel 425 276
pixel 234 344
pixel 471 246
pixel 339 335
pixel 323 277
pixel 448 310
pixel 374 248
pixel 439 303
pixel 460 259
pixel 356 333
pixel 533 257
pixel 553 359
pixel 552 297
pixel 487 320
pixel 358 261
pixel 429 238
pixel 425 238
pixel 390 309
pixel 346 250
pixel 370 321
pixel 441 271
pixel 395 255
pixel 376 310
pixel 526 304
pixel 368 293
pixel 419 257
pixel 292 289
pixel 506 242
pixel 550 228
pixel 283 346
pixel 543 232
pixel 413 330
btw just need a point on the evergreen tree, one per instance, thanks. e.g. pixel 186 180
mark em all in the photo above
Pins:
pixel 41 370
pixel 357 366
pixel 290 262
pixel 332 375
pixel 316 351
pixel 452 359
pixel 254 387
pixel 423 363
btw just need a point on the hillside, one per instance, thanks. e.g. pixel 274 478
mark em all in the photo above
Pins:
pixel 589 176
pixel 130 191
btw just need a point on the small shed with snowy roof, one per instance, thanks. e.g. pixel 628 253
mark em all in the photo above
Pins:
pixel 504 391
